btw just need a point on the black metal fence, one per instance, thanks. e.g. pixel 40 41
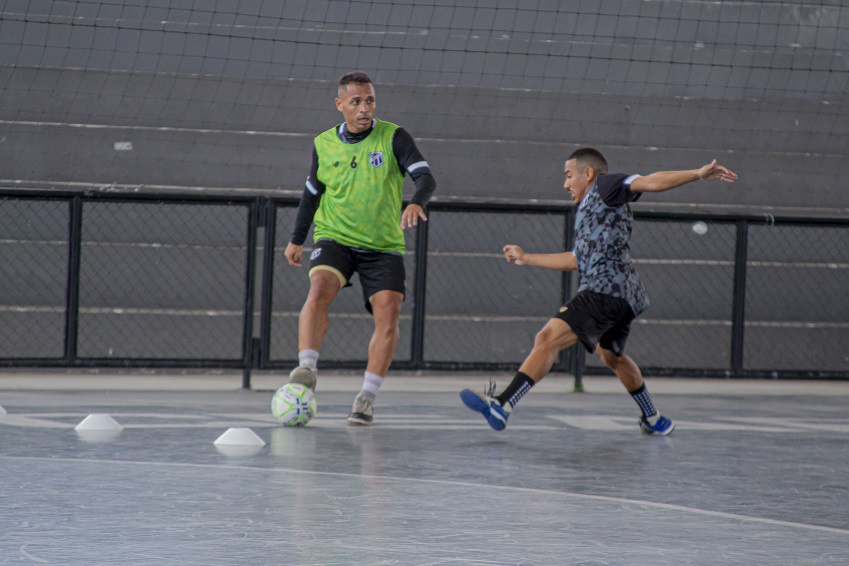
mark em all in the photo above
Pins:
pixel 98 278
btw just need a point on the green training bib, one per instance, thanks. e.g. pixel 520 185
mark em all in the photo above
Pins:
pixel 361 206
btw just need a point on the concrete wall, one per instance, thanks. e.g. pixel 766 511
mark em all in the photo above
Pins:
pixel 497 93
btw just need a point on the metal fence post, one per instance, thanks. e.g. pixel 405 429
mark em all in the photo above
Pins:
pixel 72 293
pixel 419 294
pixel 738 309
pixel 266 297
pixel 255 217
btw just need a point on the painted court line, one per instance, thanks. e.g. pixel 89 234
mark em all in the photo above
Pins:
pixel 467 485
pixel 597 423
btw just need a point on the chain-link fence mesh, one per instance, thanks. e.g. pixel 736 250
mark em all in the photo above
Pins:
pixel 689 280
pixel 165 281
pixel 797 298
pixel 479 307
pixel 33 277
pixel 161 280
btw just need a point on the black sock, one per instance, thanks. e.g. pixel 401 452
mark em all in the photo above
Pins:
pixel 520 385
pixel 643 399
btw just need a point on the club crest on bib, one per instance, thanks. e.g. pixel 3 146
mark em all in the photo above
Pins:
pixel 375 158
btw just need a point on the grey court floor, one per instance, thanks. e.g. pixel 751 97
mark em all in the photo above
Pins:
pixel 755 473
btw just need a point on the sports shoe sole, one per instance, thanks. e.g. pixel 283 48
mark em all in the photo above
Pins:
pixel 360 419
pixel 480 404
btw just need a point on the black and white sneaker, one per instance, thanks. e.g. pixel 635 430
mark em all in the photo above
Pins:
pixel 362 413
pixel 304 375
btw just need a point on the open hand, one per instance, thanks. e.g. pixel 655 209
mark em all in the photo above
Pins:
pixel 410 216
pixel 712 171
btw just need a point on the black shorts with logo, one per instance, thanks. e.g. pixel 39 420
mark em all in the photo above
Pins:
pixel 378 271
pixel 599 319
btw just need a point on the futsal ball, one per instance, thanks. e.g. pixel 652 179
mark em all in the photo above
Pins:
pixel 293 404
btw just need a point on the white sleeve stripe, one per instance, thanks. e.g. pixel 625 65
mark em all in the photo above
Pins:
pixel 311 188
pixel 417 165
pixel 630 179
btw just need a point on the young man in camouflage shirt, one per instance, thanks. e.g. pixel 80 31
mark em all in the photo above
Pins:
pixel 610 293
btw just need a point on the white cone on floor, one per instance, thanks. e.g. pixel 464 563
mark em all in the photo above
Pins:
pixel 98 427
pixel 239 437
pixel 239 442
pixel 98 422
pixel 2 410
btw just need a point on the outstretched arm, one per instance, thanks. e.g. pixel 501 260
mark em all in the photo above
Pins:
pixel 665 180
pixel 564 261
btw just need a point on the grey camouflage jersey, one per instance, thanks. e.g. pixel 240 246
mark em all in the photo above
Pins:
pixel 602 241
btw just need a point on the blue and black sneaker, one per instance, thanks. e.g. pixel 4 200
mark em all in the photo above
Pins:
pixel 487 405
pixel 663 426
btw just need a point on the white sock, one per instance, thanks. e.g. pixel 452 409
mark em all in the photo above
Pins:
pixel 371 384
pixel 308 358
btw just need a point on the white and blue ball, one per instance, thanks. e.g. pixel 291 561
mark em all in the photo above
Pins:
pixel 293 404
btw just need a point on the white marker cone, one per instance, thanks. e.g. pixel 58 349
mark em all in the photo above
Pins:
pixel 2 410
pixel 239 442
pixel 98 427
pixel 98 421
pixel 239 437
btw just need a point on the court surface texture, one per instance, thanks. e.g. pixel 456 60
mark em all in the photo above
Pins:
pixel 756 472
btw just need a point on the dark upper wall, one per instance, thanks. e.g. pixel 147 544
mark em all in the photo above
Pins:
pixel 715 50
pixel 497 93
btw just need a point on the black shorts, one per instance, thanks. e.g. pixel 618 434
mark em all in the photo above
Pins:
pixel 378 271
pixel 599 319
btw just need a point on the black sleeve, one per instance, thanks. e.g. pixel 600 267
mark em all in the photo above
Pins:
pixel 614 191
pixel 310 200
pixel 425 185
pixel 410 160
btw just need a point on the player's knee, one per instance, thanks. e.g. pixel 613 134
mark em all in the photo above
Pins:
pixel 323 290
pixel 386 308
pixel 386 327
pixel 609 358
pixel 547 339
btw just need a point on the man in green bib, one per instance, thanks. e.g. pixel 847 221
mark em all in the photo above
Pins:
pixel 353 196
